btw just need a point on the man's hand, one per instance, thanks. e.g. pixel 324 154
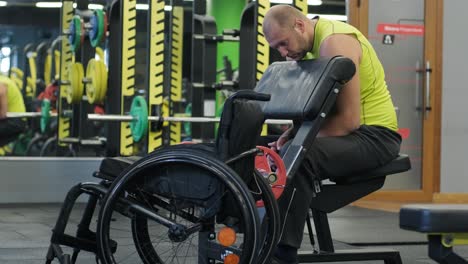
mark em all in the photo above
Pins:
pixel 277 145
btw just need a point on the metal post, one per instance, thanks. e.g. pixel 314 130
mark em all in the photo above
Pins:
pixel 66 55
pixel 122 25
pixel 156 67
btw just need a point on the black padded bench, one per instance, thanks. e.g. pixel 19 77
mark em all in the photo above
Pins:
pixel 445 224
pixel 334 196
pixel 305 91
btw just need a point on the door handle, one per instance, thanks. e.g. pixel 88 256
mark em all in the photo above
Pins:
pixel 418 99
pixel 428 89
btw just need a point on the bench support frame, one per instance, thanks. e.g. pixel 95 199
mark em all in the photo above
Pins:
pixel 331 198
pixel 441 253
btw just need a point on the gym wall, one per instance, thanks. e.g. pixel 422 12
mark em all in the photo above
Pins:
pixel 454 125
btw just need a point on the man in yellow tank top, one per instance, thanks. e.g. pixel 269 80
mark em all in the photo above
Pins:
pixel 11 100
pixel 361 133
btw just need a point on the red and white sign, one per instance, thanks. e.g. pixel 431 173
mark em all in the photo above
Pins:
pixel 402 29
pixel 404 132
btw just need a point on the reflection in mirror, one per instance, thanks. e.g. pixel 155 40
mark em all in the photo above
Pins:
pixel 33 48
pixel 30 48
pixel 26 33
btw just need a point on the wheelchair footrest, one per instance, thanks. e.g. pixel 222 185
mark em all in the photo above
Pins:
pixel 435 218
pixel 75 242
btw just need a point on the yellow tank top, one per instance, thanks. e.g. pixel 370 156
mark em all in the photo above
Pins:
pixel 376 103
pixel 14 97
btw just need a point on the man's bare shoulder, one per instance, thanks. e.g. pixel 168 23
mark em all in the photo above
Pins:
pixel 341 44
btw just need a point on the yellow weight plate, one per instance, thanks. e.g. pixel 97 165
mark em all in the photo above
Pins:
pixel 57 64
pixel 47 68
pixel 98 77
pixel 79 80
pixel 29 87
pixel 103 77
pixel 100 53
pixel 93 85
pixel 74 91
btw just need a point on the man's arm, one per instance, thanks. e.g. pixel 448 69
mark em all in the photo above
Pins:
pixel 347 116
pixel 3 100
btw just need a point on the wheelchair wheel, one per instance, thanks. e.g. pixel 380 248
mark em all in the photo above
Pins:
pixel 35 145
pixel 49 147
pixel 169 208
pixel 270 224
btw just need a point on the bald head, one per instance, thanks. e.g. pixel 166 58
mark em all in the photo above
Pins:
pixel 280 17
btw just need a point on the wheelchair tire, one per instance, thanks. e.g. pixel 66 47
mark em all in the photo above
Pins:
pixel 35 145
pixel 49 148
pixel 181 214
pixel 270 224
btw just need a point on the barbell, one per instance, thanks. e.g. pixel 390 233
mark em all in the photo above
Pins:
pixel 139 118
pixel 45 115
pixel 130 118
pixel 27 114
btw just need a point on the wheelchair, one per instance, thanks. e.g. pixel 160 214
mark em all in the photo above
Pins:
pixel 199 203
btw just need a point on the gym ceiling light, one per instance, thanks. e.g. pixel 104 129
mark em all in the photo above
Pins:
pixel 309 2
pixel 330 17
pixel 59 4
pixel 146 6
pixel 49 4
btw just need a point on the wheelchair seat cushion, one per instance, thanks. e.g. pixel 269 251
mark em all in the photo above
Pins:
pixel 298 89
pixel 110 168
pixel 187 185
pixel 435 218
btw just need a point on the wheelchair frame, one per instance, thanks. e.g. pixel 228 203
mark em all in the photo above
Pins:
pixel 106 193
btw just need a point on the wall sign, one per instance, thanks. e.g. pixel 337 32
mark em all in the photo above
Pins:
pixel 400 29
pixel 388 39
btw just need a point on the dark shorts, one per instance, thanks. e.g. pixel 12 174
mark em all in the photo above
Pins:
pixel 333 158
pixel 10 129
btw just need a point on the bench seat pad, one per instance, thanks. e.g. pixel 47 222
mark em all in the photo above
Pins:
pixel 401 163
pixel 435 218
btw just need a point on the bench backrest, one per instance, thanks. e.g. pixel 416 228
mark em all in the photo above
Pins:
pixel 299 89
pixel 304 91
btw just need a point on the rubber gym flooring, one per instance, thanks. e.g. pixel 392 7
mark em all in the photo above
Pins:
pixel 25 232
